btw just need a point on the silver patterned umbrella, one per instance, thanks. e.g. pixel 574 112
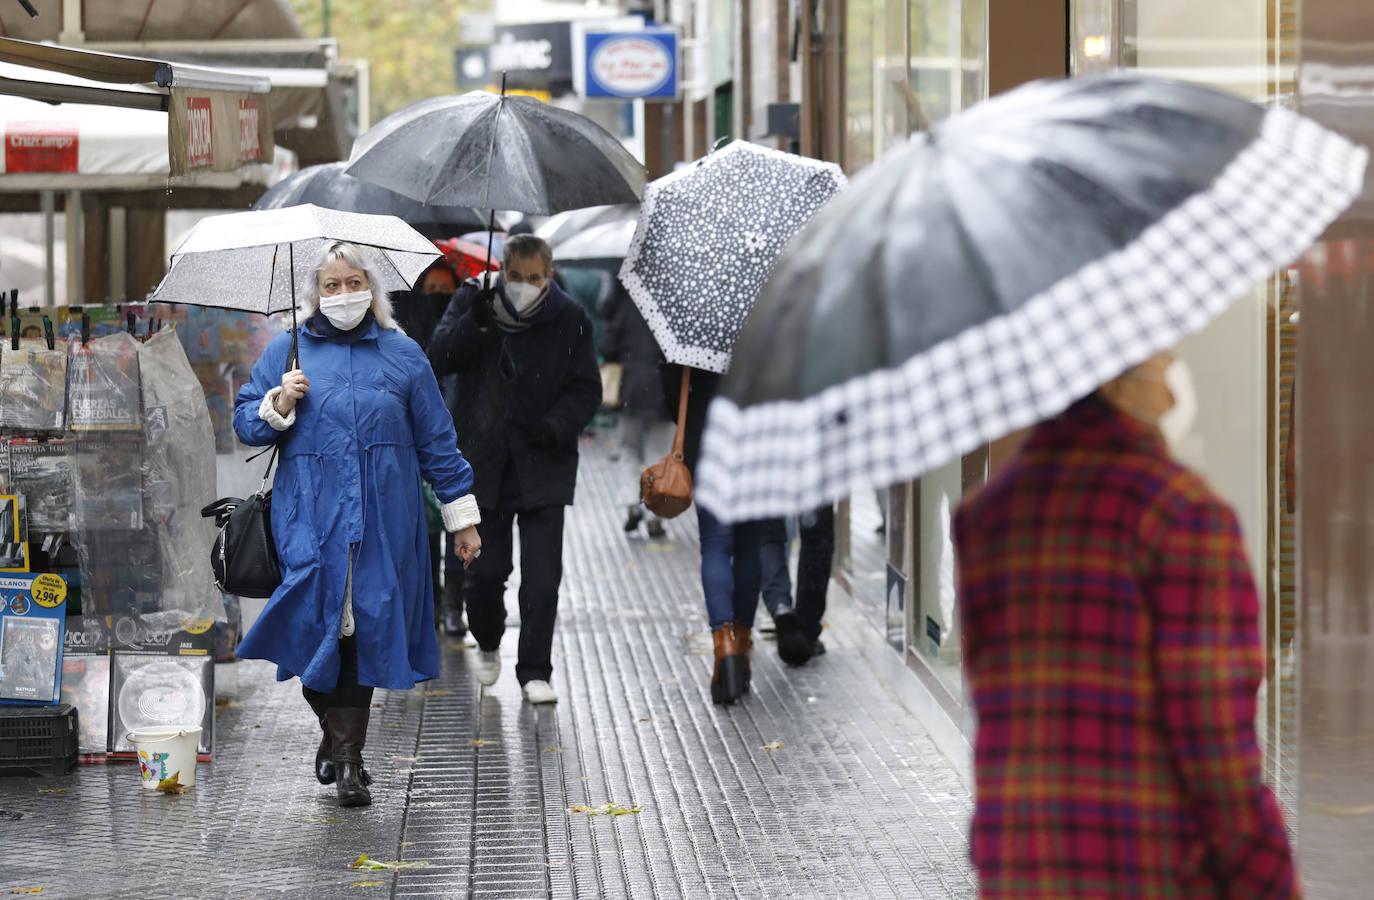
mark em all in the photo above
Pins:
pixel 1009 263
pixel 260 261
pixel 709 234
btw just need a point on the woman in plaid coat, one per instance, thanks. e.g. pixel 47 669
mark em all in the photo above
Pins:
pixel 1110 628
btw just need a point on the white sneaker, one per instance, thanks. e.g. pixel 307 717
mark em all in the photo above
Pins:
pixel 488 667
pixel 540 692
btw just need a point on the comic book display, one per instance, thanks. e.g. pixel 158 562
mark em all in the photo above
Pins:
pixel 110 423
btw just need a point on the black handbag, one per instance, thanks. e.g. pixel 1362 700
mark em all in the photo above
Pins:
pixel 244 557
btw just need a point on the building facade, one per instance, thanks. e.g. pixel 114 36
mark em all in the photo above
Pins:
pixel 1282 429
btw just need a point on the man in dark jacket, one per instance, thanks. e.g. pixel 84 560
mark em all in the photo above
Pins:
pixel 527 384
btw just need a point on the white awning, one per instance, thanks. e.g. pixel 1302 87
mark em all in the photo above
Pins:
pixel 75 146
pixel 219 121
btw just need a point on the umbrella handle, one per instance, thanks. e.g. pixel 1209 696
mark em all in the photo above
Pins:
pixel 491 154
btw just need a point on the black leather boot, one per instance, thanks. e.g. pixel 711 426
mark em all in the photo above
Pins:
pixel 324 757
pixel 452 602
pixel 347 734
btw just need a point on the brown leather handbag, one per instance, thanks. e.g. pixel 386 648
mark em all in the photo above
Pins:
pixel 666 486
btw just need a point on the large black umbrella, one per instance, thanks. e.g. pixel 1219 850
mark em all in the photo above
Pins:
pixel 1002 267
pixel 330 187
pixel 497 152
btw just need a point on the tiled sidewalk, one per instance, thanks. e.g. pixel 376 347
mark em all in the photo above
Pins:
pixel 854 801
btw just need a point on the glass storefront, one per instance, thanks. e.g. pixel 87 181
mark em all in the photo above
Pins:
pixel 1243 365
pixel 912 63
pixel 909 66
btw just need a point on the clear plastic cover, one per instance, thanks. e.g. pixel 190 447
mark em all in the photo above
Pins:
pixel 179 478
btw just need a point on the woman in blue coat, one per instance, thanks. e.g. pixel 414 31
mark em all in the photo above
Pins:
pixel 359 423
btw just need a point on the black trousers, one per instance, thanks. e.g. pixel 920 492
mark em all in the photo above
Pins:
pixel 813 570
pixel 347 692
pixel 541 573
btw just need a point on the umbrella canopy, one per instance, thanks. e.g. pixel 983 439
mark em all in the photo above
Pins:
pixel 497 152
pixel 607 241
pixel 1016 258
pixel 468 260
pixel 330 187
pixel 567 225
pixel 261 261
pixel 707 238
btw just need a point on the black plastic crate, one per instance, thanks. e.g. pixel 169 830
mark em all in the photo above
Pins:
pixel 39 737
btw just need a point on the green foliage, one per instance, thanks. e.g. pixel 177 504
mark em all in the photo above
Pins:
pixel 408 43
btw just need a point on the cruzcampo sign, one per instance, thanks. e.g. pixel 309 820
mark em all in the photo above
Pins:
pixel 632 65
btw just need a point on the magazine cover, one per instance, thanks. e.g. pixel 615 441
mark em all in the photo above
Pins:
pixel 107 481
pixel 155 689
pixel 102 385
pixel 33 387
pixel 14 540
pixel 86 679
pixel 105 320
pixel 32 615
pixel 86 686
pixel 30 324
pixel 41 471
pixel 30 656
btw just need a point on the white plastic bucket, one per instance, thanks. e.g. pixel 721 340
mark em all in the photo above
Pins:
pixel 166 750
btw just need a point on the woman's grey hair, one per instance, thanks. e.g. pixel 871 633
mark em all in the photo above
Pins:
pixel 355 257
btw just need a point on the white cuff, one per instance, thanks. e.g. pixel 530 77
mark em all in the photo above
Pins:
pixel 268 413
pixel 461 513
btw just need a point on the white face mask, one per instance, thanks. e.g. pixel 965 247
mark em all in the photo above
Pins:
pixel 345 311
pixel 1177 423
pixel 523 296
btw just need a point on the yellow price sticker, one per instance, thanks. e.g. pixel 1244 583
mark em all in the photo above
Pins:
pixel 200 626
pixel 49 591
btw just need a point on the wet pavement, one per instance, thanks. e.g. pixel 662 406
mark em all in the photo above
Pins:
pixel 821 784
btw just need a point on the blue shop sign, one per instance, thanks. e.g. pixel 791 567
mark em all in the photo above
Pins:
pixel 632 64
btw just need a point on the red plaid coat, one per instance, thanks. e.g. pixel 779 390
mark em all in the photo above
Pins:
pixel 1110 628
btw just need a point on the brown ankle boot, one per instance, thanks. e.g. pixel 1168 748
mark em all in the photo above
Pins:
pixel 744 646
pixel 727 679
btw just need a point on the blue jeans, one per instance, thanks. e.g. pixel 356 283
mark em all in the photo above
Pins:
pixel 731 569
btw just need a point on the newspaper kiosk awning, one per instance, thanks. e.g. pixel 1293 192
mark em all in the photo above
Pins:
pixel 216 121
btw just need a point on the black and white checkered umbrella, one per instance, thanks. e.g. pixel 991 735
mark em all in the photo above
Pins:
pixel 709 234
pixel 1001 268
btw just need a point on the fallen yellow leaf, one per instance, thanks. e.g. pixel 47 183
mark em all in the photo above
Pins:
pixel 172 784
pixel 555 749
pixel 27 890
pixel 773 745
pixel 54 790
pixel 366 884
pixel 479 742
pixel 367 864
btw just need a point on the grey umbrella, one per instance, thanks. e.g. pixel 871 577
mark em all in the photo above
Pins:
pixel 707 237
pixel 497 152
pixel 330 187
pixel 1002 267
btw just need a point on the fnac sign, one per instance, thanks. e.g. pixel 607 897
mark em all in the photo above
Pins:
pixel 200 133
